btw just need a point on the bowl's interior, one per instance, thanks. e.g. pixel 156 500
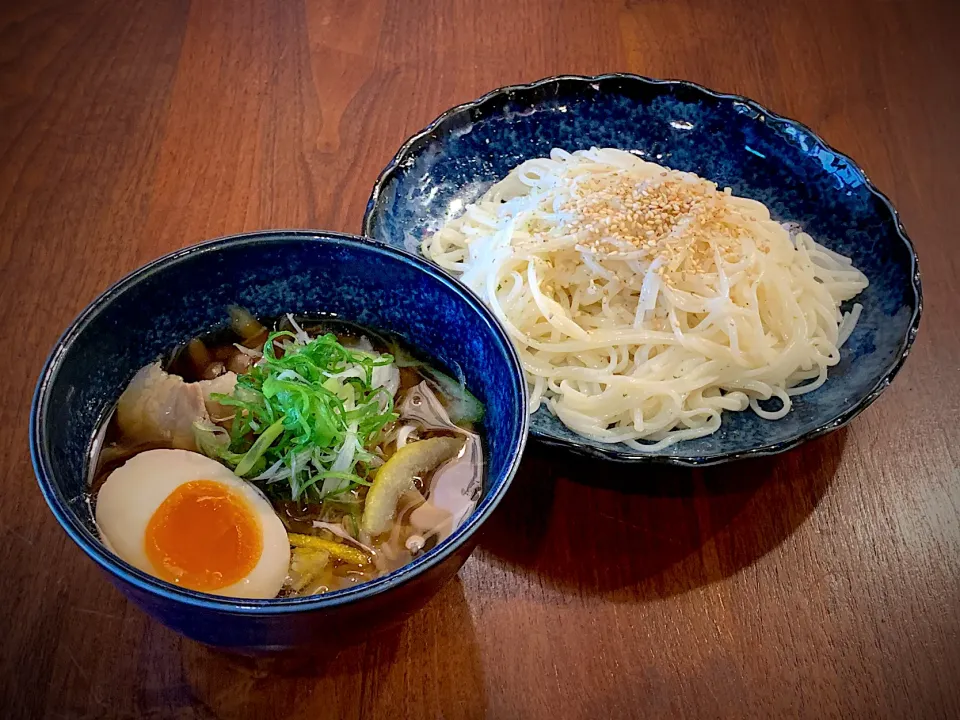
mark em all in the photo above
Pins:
pixel 726 139
pixel 178 297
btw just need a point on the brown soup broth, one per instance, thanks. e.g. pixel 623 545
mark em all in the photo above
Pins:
pixel 215 353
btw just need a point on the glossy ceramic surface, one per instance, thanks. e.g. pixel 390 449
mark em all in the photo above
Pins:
pixel 178 296
pixel 726 138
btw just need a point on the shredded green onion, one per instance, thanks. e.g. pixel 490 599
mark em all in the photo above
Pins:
pixel 296 412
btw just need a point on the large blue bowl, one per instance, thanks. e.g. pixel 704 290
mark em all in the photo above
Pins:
pixel 187 292
pixel 726 138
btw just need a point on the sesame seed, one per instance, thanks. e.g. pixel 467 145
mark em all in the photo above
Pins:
pixel 673 216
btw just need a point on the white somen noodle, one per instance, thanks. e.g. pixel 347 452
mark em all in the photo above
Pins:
pixel 644 301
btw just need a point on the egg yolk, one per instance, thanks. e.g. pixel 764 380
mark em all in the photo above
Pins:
pixel 204 536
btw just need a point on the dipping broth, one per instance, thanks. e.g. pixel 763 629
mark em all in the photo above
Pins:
pixel 285 457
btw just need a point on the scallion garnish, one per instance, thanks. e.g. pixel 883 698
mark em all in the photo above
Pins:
pixel 307 413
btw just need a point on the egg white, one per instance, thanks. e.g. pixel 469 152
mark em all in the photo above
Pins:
pixel 133 492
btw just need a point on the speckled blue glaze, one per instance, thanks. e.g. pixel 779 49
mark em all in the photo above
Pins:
pixel 728 139
pixel 180 295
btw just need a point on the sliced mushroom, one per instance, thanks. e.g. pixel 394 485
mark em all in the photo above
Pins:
pixel 456 485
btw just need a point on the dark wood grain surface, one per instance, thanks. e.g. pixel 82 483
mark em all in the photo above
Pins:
pixel 824 583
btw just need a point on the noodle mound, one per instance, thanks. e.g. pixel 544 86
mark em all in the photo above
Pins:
pixel 644 301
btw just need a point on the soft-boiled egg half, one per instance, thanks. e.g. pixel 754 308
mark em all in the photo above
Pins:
pixel 187 519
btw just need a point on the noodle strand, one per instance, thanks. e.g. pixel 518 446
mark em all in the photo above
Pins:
pixel 644 301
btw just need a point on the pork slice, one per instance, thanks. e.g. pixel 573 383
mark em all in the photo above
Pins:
pixel 161 408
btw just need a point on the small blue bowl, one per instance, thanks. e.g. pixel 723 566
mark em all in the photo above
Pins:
pixel 725 138
pixel 186 293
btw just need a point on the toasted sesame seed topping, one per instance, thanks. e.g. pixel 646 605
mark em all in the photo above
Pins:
pixel 674 216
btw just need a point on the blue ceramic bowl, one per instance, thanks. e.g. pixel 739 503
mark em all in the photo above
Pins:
pixel 187 292
pixel 726 138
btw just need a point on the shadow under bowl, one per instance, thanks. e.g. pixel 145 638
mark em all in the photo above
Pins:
pixel 187 293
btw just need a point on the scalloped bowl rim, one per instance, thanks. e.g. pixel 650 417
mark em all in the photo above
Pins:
pixel 115 566
pixel 615 451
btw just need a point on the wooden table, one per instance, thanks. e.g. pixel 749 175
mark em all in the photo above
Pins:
pixel 824 583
